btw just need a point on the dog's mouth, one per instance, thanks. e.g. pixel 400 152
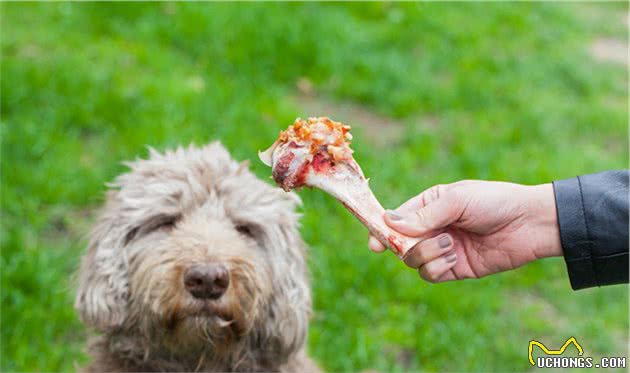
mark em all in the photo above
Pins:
pixel 210 310
pixel 211 315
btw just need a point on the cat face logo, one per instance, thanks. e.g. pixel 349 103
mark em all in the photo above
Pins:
pixel 547 351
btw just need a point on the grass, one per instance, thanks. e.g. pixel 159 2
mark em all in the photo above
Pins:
pixel 486 91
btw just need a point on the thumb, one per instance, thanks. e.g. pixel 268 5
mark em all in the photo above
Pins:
pixel 436 215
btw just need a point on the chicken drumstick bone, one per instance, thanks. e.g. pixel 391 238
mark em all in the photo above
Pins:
pixel 316 153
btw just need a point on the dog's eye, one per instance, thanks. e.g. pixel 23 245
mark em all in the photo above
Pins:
pixel 131 235
pixel 166 225
pixel 163 224
pixel 246 230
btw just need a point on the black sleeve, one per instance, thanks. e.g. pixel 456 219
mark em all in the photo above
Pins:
pixel 593 219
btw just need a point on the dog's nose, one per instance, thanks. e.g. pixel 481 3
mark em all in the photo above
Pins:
pixel 208 281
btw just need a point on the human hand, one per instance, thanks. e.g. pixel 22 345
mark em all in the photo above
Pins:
pixel 472 228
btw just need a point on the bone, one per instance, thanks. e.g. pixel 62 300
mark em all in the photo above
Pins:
pixel 316 153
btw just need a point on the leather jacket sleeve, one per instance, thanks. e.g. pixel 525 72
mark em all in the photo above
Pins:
pixel 593 220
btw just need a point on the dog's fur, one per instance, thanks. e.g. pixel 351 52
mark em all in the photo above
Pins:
pixel 184 207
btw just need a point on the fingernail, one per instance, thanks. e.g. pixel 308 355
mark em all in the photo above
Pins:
pixel 451 258
pixel 393 215
pixel 444 242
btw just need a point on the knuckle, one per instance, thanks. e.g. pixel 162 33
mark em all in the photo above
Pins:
pixel 420 257
pixel 422 254
pixel 432 277
pixel 421 215
pixel 422 274
pixel 440 189
pixel 428 274
pixel 416 257
pixel 434 192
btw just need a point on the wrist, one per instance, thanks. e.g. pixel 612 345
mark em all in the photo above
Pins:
pixel 544 218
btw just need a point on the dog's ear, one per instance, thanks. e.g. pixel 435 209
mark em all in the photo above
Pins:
pixel 103 286
pixel 289 309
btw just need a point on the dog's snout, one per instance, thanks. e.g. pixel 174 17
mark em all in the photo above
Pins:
pixel 207 281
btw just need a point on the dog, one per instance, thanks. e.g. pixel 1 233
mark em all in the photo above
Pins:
pixel 194 264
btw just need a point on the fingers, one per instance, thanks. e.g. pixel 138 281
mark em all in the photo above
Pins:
pixel 436 270
pixel 434 258
pixel 415 203
pixel 434 215
pixel 428 250
pixel 431 210
pixel 375 245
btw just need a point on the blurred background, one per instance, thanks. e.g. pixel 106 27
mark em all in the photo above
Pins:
pixel 435 92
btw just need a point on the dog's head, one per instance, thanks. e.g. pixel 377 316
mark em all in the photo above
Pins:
pixel 193 250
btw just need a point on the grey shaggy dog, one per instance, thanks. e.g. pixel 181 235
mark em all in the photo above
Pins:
pixel 195 265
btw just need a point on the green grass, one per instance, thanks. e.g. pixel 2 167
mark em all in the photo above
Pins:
pixel 512 94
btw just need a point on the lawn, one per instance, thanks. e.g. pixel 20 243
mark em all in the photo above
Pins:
pixel 436 92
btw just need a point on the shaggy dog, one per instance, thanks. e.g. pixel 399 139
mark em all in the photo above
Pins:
pixel 195 265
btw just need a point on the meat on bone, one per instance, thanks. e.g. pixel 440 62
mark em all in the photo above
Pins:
pixel 316 153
